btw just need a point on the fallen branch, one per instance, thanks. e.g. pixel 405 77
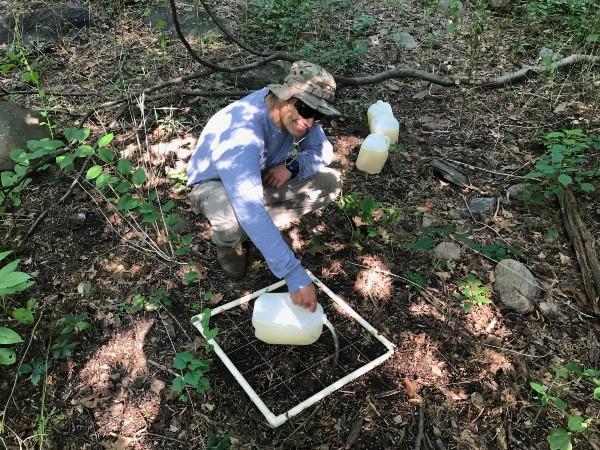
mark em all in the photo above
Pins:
pixel 420 429
pixel 379 77
pixel 584 245
pixel 462 80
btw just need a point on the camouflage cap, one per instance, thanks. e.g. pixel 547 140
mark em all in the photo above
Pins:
pixel 310 83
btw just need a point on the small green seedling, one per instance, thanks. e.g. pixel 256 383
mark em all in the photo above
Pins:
pixel 192 369
pixel 560 438
pixel 472 292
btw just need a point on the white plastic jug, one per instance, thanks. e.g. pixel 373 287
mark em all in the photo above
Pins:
pixel 277 320
pixel 373 153
pixel 379 108
pixel 387 125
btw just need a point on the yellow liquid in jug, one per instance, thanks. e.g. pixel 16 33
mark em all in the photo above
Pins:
pixel 371 161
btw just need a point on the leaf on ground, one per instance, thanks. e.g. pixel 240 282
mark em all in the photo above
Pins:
pixel 122 443
pixel 157 385
pixel 216 298
pixel 412 389
pixel 354 432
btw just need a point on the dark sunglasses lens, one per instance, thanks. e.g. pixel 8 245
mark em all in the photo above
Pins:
pixel 307 112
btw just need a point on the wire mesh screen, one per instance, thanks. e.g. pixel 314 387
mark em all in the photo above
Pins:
pixel 284 376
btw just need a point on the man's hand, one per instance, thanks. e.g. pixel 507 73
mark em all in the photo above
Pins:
pixel 276 176
pixel 306 297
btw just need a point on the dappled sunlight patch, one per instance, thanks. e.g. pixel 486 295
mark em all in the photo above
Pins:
pixel 424 309
pixel 372 283
pixel 334 269
pixel 417 359
pixel 492 362
pixel 343 149
pixel 297 243
pixel 486 321
pixel 112 385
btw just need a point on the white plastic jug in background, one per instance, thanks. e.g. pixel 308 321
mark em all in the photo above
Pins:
pixel 387 125
pixel 379 108
pixel 277 320
pixel 373 153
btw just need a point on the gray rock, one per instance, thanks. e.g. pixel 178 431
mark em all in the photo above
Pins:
pixel 17 126
pixel 448 250
pixel 499 4
pixel 481 205
pixel 516 285
pixel 45 24
pixel 190 23
pixel 517 193
pixel 258 78
pixel 405 40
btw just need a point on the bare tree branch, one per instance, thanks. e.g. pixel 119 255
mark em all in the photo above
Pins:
pixel 272 57
pixel 465 80
pixel 228 33
pixel 402 72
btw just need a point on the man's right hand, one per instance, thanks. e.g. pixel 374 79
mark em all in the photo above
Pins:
pixel 306 297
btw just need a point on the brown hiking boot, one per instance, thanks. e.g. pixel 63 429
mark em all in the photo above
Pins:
pixel 232 260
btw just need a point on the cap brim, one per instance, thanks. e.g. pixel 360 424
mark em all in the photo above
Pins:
pixel 285 92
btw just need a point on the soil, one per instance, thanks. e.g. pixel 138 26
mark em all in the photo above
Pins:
pixel 468 373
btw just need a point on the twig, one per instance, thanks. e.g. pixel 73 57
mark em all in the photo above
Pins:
pixel 514 351
pixel 507 175
pixel 227 33
pixel 162 367
pixel 161 436
pixel 12 391
pixel 304 422
pixel 439 444
pixel 420 429
pixel 379 77
pixel 513 439
pixel 60 200
pixel 463 80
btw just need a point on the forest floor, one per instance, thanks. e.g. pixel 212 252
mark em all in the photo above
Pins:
pixel 463 377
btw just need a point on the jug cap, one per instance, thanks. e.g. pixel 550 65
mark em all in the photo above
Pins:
pixel 279 308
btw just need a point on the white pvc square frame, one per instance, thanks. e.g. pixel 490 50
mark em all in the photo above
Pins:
pixel 272 419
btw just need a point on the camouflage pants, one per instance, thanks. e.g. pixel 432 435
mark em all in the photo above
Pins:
pixel 285 204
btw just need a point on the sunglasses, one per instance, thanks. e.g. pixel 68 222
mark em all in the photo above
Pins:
pixel 307 112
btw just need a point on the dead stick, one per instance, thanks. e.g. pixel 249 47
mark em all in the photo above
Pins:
pixel 420 429
pixel 60 200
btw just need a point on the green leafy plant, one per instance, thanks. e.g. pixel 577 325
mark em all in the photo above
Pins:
pixel 565 163
pixel 497 251
pixel 416 280
pixel 11 282
pixel 139 302
pixel 214 443
pixel 192 369
pixel 577 19
pixel 471 291
pixel 36 369
pixel 64 346
pixel 369 214
pixel 571 374
pixel 431 236
pixel 298 25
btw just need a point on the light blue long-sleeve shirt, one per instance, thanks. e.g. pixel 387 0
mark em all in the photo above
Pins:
pixel 238 143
